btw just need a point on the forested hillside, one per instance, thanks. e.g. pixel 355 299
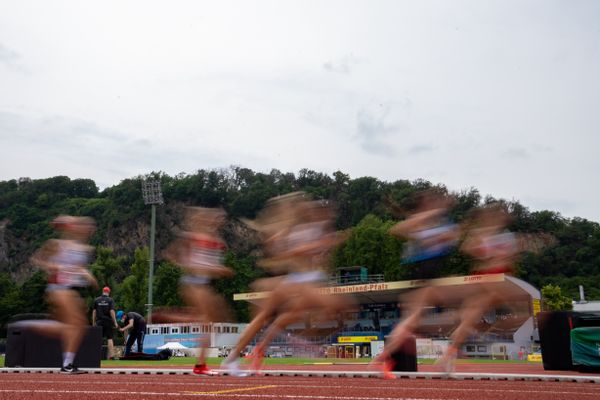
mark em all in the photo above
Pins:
pixel 26 207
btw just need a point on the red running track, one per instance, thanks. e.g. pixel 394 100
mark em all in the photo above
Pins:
pixel 38 386
pixel 515 368
pixel 461 367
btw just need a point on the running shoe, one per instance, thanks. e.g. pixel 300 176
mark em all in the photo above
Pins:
pixel 448 361
pixel 386 369
pixel 202 369
pixel 232 368
pixel 257 360
pixel 71 370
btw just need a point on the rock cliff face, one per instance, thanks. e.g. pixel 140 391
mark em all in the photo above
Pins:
pixel 3 246
pixel 14 254
pixel 122 238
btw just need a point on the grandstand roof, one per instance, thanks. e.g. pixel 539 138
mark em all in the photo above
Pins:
pixel 385 292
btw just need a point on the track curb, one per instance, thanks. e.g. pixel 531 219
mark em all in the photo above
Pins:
pixel 326 374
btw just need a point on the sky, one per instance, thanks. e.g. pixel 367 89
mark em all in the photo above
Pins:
pixel 500 95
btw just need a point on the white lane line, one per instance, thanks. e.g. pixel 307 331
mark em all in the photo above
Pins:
pixel 275 395
pixel 338 374
pixel 245 383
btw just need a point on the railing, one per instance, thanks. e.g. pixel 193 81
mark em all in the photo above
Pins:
pixel 355 280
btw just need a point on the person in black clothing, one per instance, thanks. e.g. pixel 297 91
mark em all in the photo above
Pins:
pixel 137 324
pixel 104 316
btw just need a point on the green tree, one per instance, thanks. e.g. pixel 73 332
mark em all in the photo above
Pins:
pixel 107 268
pixel 166 285
pixel 133 292
pixel 370 245
pixel 245 272
pixel 33 294
pixel 553 299
pixel 11 302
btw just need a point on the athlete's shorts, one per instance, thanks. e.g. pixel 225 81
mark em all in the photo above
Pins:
pixel 194 280
pixel 305 277
pixel 499 269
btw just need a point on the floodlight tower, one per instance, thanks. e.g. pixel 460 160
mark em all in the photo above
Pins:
pixel 152 195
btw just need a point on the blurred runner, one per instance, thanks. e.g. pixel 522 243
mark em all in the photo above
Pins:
pixel 297 237
pixel 199 252
pixel 495 250
pixel 309 243
pixel 430 236
pixel 65 261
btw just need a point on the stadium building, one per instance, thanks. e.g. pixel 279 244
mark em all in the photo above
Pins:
pixel 221 337
pixel 508 332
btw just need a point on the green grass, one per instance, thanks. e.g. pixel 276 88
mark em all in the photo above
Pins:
pixel 215 361
pixel 188 361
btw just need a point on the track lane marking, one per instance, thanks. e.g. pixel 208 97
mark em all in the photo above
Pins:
pixel 241 395
pixel 244 389
pixel 530 387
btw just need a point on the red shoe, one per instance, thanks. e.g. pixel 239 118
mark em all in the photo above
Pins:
pixel 257 360
pixel 386 369
pixel 202 369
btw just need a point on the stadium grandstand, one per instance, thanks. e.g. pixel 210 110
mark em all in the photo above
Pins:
pixel 508 332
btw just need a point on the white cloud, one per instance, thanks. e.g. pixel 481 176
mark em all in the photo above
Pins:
pixel 498 95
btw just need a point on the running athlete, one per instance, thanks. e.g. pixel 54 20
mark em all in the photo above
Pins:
pixel 308 244
pixel 65 260
pixel 298 246
pixel 199 252
pixel 430 237
pixel 271 225
pixel 495 250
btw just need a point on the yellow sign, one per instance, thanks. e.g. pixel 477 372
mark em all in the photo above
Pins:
pixel 536 306
pixel 536 357
pixel 356 339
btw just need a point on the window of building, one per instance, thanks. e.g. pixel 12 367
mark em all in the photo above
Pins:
pixel 185 329
pixel 234 329
pixel 154 331
pixel 470 348
pixel 195 329
pixel 164 330
pixel 481 349
pixel 174 330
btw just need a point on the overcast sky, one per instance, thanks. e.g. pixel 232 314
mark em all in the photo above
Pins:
pixel 500 95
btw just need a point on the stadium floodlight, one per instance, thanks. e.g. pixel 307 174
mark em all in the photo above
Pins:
pixel 152 193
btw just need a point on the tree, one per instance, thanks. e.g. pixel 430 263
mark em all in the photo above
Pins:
pixel 134 290
pixel 10 301
pixel 166 285
pixel 370 245
pixel 107 268
pixel 554 300
pixel 245 272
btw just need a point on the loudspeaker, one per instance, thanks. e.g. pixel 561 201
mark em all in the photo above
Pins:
pixel 405 358
pixel 555 339
pixel 27 347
